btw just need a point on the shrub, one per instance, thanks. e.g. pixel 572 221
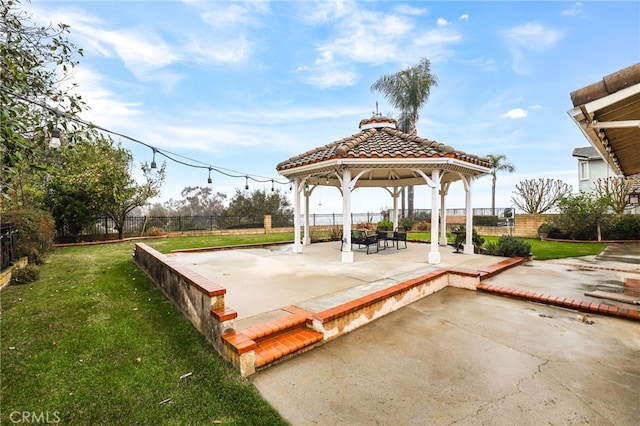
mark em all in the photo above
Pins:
pixel 424 225
pixel 476 239
pixel 365 225
pixel 544 229
pixel 508 246
pixel 407 223
pixel 625 227
pixel 335 233
pixel 155 231
pixel 36 231
pixel 26 275
pixel 385 225
pixel 485 220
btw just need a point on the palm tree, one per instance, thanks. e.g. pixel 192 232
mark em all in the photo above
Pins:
pixel 408 90
pixel 499 164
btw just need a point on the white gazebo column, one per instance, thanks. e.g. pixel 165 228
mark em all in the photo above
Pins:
pixel 434 254
pixel 297 246
pixel 468 245
pixel 347 254
pixel 443 216
pixel 307 234
pixel 395 193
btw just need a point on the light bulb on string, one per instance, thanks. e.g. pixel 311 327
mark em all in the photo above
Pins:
pixel 246 183
pixel 153 161
pixel 209 181
pixel 54 142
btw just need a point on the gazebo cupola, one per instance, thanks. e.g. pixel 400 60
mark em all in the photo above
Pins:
pixel 377 121
pixel 381 156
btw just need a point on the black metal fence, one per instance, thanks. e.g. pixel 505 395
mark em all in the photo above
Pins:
pixel 139 225
pixel 149 225
pixel 8 244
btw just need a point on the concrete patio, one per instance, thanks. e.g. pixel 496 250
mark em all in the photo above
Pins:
pixel 455 357
pixel 261 281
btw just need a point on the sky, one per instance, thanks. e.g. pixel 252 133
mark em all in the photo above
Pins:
pixel 241 86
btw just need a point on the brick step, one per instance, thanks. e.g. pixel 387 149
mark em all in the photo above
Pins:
pixel 286 342
pixel 632 287
pixel 276 339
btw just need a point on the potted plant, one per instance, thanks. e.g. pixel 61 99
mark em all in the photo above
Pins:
pixel 543 230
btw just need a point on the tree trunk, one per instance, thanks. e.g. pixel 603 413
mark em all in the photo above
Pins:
pixel 493 196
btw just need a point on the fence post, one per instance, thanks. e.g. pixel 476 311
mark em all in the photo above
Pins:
pixel 267 223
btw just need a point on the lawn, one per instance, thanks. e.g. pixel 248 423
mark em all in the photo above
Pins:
pixel 94 342
pixel 542 250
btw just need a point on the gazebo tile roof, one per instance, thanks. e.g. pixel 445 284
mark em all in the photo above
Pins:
pixel 381 142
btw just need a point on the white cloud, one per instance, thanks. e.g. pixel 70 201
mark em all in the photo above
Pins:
pixel 516 113
pixel 441 22
pixel 370 37
pixel 411 10
pixel 332 78
pixel 106 107
pixel 533 36
pixel 483 64
pixel 464 17
pixel 528 38
pixel 573 11
pixel 318 12
pixel 226 52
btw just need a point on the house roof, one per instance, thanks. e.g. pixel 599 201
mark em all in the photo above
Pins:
pixel 587 152
pixel 390 155
pixel 608 113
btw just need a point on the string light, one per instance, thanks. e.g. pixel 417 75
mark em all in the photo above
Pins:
pixel 209 181
pixel 153 162
pixel 54 142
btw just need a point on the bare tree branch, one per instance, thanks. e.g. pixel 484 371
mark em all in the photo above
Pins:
pixel 537 196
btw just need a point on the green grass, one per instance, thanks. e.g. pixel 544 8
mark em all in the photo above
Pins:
pixel 96 343
pixel 165 245
pixel 542 250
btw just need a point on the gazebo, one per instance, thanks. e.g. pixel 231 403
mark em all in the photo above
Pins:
pixel 380 156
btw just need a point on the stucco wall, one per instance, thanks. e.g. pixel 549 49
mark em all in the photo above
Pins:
pixel 195 295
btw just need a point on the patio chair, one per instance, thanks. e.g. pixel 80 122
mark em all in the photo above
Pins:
pixel 383 239
pixel 400 236
pixel 362 238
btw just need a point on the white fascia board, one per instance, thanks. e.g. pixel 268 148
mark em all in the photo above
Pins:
pixel 611 99
pixel 614 124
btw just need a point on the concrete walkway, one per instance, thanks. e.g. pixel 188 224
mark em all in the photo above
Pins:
pixel 455 357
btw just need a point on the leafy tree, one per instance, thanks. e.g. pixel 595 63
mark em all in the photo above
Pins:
pixel 200 201
pixel 617 188
pixel 537 196
pixel 34 61
pixel 259 203
pixel 498 164
pixel 95 178
pixel 408 90
pixel 582 216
